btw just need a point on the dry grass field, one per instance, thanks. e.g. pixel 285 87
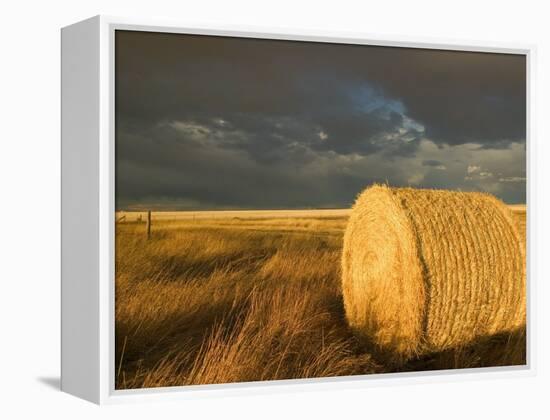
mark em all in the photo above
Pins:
pixel 220 297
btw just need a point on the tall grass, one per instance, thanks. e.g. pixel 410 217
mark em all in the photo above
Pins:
pixel 218 301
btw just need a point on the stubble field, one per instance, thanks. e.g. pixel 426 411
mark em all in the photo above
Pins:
pixel 219 297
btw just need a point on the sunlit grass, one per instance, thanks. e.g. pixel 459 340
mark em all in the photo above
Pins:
pixel 247 299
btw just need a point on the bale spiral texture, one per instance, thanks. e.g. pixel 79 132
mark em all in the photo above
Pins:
pixel 428 270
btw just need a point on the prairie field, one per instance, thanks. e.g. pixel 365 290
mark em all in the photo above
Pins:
pixel 219 297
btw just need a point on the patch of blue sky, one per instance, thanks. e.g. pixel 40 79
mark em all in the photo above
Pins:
pixel 370 99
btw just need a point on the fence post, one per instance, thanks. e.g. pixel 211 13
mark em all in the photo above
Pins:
pixel 148 227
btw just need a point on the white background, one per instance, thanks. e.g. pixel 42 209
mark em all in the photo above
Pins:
pixel 29 212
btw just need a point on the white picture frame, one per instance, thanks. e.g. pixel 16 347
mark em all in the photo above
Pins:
pixel 88 212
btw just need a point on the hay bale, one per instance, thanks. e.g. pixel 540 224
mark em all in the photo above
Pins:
pixel 429 270
pixel 520 217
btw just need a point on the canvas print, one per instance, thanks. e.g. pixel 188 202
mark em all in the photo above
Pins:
pixel 289 209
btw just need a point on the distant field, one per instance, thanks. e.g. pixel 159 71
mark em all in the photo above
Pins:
pixel 518 207
pixel 215 297
pixel 237 214
pixel 132 216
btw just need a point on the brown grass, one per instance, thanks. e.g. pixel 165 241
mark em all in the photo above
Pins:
pixel 428 270
pixel 233 299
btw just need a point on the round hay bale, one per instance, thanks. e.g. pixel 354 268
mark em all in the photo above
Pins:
pixel 429 270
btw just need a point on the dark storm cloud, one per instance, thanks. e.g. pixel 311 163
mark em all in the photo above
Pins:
pixel 167 163
pixel 432 162
pixel 226 122
pixel 458 96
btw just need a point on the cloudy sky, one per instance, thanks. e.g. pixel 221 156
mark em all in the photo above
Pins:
pixel 214 122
